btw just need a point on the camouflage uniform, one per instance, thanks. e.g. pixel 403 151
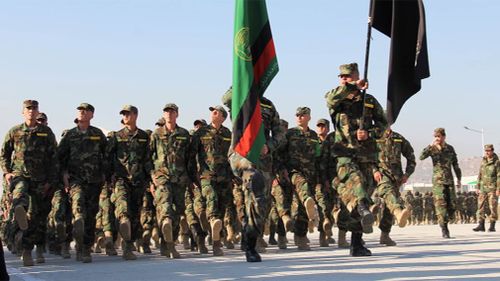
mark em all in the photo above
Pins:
pixel 129 155
pixel 30 154
pixel 428 208
pixel 170 154
pixel 460 208
pixel 82 156
pixel 442 179
pixel 488 186
pixel 418 208
pixel 356 160
pixel 391 147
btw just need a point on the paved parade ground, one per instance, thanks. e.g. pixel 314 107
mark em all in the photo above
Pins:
pixel 421 254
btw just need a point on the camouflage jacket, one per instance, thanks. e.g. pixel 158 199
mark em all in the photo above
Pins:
pixel 30 153
pixel 82 155
pixel 170 154
pixel 210 147
pixel 328 160
pixel 442 160
pixel 390 148
pixel 489 174
pixel 129 155
pixel 346 116
pixel 428 202
pixel 303 153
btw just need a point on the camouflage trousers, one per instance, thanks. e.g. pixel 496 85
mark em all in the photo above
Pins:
pixel 389 192
pixel 148 214
pixel 85 204
pixel 283 195
pixel 128 201
pixel 60 213
pixel 239 201
pixel 444 202
pixel 193 195
pixel 428 216
pixel 30 195
pixel 105 218
pixel 218 197
pixel 170 203
pixel 491 199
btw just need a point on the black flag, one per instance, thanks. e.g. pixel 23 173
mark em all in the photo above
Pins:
pixel 404 22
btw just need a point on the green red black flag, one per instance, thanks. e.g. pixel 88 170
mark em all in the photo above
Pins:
pixel 254 66
pixel 404 22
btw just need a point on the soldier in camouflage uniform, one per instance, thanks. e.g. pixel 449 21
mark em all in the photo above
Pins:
pixel 81 155
pixel 391 147
pixel 28 160
pixel 170 148
pixel 210 146
pixel 129 155
pixel 460 211
pixel 488 188
pixel 471 203
pixel 257 180
pixel 303 169
pixel 359 120
pixel 443 159
pixel 428 208
pixel 418 208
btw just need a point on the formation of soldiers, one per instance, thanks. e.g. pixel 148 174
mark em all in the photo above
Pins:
pixel 172 185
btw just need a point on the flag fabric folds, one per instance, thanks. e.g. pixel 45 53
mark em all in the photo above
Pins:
pixel 404 22
pixel 254 66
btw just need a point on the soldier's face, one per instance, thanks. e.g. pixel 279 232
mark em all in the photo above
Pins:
pixel 30 113
pixel 170 116
pixel 347 78
pixel 488 153
pixel 321 129
pixel 439 138
pixel 129 118
pixel 84 115
pixel 42 121
pixel 303 120
pixel 216 116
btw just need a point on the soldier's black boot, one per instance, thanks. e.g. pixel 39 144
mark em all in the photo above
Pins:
pixel 492 227
pixel 272 233
pixel 199 235
pixel 480 227
pixel 444 230
pixel 250 252
pixel 367 218
pixel 357 249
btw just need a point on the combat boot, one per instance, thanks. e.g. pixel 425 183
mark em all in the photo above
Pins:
pixel 385 239
pixel 145 248
pixel 330 239
pixel 492 227
pixel 127 252
pixel 99 244
pixel 60 231
pixel 185 241
pixel 272 234
pixel 21 217
pixel 357 249
pixel 27 259
pixel 282 242
pixel 261 245
pixel 342 242
pixel 155 235
pixel 302 244
pixel 327 227
pixel 125 229
pixel 86 257
pixel 228 243
pixel 250 253
pixel 166 230
pixel 217 249
pixel 216 226
pixel 78 229
pixel 322 239
pixel 78 250
pixel 163 248
pixel 199 236
pixel 109 246
pixel 309 204
pixel 480 227
pixel 444 230
pixel 171 251
pixel 65 250
pixel 367 218
pixel 39 254
pixel 402 216
pixel 287 222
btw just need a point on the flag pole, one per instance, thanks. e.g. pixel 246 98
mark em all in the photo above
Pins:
pixel 367 58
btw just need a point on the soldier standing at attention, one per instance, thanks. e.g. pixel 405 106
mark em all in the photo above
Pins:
pixel 488 188
pixel 358 121
pixel 129 156
pixel 444 159
pixel 170 145
pixel 28 160
pixel 83 163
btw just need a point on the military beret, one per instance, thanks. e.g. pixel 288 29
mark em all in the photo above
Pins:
pixel 440 131
pixel 29 103
pixel 86 106
pixel 171 106
pixel 488 147
pixel 302 110
pixel 220 109
pixel 348 69
pixel 324 122
pixel 129 108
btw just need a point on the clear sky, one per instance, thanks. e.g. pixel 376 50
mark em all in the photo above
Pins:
pixel 148 53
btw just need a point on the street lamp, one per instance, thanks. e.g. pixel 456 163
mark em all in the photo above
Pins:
pixel 482 136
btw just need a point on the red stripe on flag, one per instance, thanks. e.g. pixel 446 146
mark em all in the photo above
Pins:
pixel 250 134
pixel 265 58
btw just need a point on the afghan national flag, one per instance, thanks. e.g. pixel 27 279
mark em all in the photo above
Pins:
pixel 404 22
pixel 254 66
